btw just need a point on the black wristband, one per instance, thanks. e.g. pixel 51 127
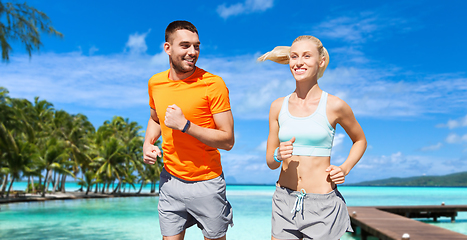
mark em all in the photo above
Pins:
pixel 187 125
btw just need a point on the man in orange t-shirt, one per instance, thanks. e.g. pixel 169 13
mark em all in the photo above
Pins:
pixel 190 108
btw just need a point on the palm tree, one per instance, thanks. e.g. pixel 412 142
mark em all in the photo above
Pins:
pixel 76 131
pixel 40 117
pixel 88 181
pixel 23 128
pixel 111 159
pixel 52 157
pixel 19 160
pixel 5 118
pixel 16 139
pixel 79 142
pixel 131 135
pixel 128 139
pixel 150 174
pixel 24 23
pixel 129 178
pixel 133 140
pixel 34 138
pixel 142 180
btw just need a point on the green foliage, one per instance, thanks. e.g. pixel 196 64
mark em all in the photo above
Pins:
pixel 37 186
pixel 23 23
pixel 37 140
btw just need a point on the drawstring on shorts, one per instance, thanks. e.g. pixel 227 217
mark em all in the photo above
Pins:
pixel 299 201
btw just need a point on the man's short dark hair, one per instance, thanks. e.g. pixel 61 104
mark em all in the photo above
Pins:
pixel 178 25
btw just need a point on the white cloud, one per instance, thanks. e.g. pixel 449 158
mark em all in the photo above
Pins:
pixel 262 146
pixel 394 159
pixel 137 43
pixel 349 29
pixel 95 81
pixel 232 10
pixel 120 80
pixel 432 147
pixel 109 82
pixel 454 138
pixel 338 139
pixel 338 160
pixel 254 168
pixel 249 6
pixel 349 55
pixel 451 124
pixel 370 92
pixel 359 28
pixel 259 99
pixel 248 168
pixel 160 59
pixel 93 50
pixel 400 165
pixel 375 92
pixel 253 86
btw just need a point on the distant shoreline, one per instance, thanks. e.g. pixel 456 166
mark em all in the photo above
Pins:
pixel 358 185
pixel 269 185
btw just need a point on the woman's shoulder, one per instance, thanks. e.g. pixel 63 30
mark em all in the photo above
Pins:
pixel 337 104
pixel 276 106
pixel 277 103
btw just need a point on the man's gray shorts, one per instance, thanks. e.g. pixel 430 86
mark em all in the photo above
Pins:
pixel 184 203
pixel 322 216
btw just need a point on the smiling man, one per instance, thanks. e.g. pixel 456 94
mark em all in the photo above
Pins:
pixel 190 108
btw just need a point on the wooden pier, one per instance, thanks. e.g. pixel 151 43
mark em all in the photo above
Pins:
pixel 428 211
pixel 391 223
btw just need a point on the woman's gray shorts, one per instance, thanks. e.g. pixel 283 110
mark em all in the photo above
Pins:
pixel 315 216
pixel 184 203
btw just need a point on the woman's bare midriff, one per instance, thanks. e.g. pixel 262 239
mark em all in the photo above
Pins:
pixel 306 172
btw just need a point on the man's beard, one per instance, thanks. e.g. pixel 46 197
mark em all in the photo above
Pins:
pixel 179 68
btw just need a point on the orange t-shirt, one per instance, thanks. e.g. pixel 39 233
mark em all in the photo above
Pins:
pixel 199 96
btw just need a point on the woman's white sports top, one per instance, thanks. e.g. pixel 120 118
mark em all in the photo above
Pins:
pixel 313 134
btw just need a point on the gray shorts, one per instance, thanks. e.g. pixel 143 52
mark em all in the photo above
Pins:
pixel 315 216
pixel 184 203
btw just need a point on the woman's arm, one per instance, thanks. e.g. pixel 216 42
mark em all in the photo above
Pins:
pixel 285 148
pixel 273 139
pixel 345 117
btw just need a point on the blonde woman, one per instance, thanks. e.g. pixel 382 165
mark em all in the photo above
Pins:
pixel 306 203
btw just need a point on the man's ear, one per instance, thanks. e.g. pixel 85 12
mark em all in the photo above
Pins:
pixel 167 47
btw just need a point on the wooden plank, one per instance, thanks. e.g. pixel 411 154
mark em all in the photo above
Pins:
pixel 389 226
pixel 424 208
pixel 426 211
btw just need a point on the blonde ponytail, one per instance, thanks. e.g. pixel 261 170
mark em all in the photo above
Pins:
pixel 281 54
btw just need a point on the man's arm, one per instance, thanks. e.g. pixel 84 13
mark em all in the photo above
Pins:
pixel 221 137
pixel 153 132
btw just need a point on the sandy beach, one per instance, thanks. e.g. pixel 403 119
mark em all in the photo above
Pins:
pixel 69 196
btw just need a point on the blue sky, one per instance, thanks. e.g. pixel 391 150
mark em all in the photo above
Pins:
pixel 400 65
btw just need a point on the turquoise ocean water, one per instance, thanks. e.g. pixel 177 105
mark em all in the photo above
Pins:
pixel 136 218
